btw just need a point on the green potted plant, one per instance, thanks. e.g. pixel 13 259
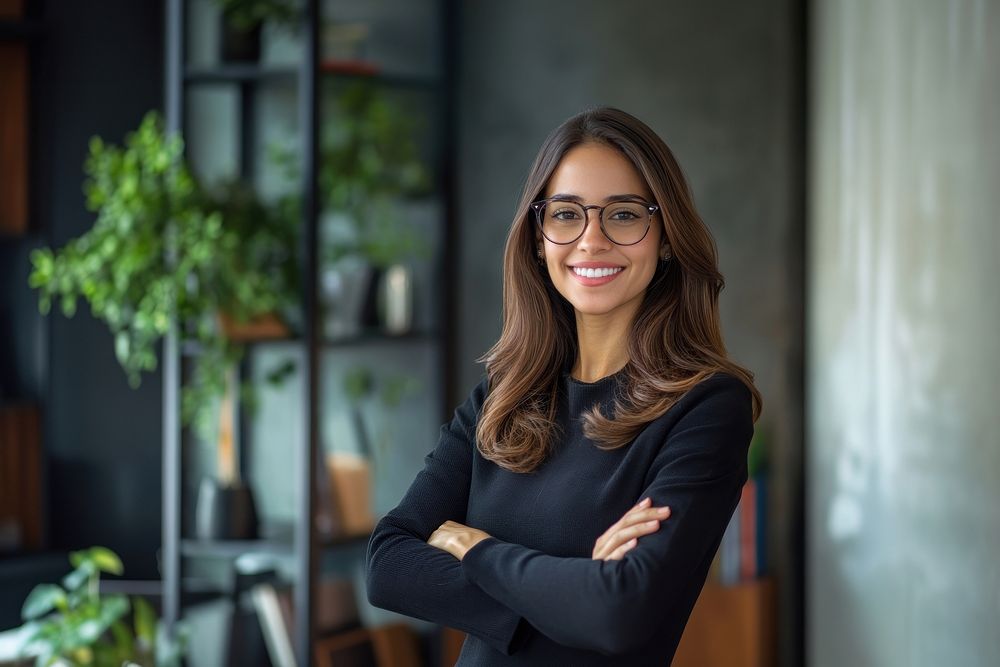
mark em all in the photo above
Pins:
pixel 369 162
pixel 164 249
pixel 73 624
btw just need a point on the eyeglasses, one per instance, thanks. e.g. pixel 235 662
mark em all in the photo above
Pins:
pixel 623 222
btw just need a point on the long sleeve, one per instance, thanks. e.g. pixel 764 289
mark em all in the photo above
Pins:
pixel 615 607
pixel 409 576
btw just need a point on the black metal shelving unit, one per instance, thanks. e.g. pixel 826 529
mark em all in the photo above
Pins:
pixel 304 545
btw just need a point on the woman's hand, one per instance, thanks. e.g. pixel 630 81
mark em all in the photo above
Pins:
pixel 624 534
pixel 456 538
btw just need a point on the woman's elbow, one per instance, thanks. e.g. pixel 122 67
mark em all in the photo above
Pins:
pixel 377 585
pixel 625 629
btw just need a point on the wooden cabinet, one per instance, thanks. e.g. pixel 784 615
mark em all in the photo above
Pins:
pixel 731 626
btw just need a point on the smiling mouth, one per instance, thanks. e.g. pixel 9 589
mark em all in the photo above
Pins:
pixel 596 273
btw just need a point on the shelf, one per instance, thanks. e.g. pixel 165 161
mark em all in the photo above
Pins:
pixel 227 549
pixel 192 348
pixel 239 73
pixel 17 29
pixel 194 591
pixel 330 70
pixel 195 548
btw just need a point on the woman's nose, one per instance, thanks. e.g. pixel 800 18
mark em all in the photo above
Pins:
pixel 593 239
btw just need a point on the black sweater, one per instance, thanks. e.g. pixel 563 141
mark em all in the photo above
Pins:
pixel 531 594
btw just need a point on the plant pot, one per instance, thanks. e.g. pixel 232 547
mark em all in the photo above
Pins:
pixel 346 287
pixel 263 327
pixel 238 44
pixel 225 512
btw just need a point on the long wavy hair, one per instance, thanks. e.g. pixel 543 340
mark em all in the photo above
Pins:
pixel 675 341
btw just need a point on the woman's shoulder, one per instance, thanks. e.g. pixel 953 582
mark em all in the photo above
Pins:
pixel 720 393
pixel 470 408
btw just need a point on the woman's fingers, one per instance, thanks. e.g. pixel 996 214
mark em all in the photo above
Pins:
pixel 624 521
pixel 636 523
pixel 620 552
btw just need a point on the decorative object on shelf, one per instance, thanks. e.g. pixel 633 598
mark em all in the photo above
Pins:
pixel 74 624
pixel 241 22
pixel 225 509
pixel 369 164
pixel 165 249
pixel 350 479
pixel 396 299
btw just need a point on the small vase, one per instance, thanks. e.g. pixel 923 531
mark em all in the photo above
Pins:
pixel 396 299
pixel 225 512
pixel 345 286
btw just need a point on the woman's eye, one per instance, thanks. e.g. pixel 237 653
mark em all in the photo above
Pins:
pixel 623 215
pixel 565 215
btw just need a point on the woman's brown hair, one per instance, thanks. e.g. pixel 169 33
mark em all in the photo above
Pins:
pixel 675 341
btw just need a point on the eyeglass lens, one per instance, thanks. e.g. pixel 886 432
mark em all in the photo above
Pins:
pixel 624 222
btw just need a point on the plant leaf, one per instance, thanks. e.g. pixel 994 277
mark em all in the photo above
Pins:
pixel 78 577
pixel 42 599
pixel 106 560
pixel 145 621
pixel 89 631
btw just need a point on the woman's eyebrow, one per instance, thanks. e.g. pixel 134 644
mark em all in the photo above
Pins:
pixel 578 198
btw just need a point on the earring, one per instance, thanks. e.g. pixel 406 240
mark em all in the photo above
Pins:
pixel 665 257
pixel 541 255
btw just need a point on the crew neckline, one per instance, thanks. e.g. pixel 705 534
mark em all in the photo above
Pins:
pixel 599 381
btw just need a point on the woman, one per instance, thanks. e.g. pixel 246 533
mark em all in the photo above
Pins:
pixel 572 507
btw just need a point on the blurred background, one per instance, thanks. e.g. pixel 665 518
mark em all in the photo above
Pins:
pixel 318 268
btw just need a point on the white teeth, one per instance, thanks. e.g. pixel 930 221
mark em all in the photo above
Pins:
pixel 596 273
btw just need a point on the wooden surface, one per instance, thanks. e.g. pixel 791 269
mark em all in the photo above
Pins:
pixel 10 9
pixel 13 138
pixel 390 645
pixel 20 473
pixel 731 626
pixel 451 646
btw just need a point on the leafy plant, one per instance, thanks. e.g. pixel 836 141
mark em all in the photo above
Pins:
pixel 73 623
pixel 368 160
pixel 164 249
pixel 246 14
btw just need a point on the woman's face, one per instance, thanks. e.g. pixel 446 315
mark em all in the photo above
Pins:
pixel 596 174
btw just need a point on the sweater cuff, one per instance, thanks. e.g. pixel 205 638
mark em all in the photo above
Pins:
pixel 473 561
pixel 514 631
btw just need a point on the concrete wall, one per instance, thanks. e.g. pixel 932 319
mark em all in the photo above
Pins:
pixel 721 82
pixel 904 456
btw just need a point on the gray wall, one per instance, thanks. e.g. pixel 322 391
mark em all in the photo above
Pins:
pixel 721 82
pixel 96 73
pixel 904 456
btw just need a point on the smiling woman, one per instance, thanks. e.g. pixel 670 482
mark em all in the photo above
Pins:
pixel 571 509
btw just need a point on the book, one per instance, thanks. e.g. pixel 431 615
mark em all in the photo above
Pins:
pixel 350 493
pixel 274 625
pixel 729 552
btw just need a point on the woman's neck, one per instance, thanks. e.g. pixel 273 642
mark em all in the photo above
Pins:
pixel 603 346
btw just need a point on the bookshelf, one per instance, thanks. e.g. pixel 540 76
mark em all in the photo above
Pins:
pixel 228 114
